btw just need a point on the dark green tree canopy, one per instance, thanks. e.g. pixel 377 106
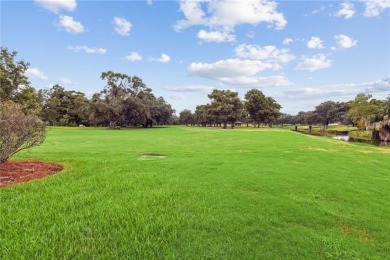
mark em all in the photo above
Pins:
pixel 261 109
pixel 226 105
pixel 14 83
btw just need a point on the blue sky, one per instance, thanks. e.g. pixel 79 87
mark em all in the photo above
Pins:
pixel 301 53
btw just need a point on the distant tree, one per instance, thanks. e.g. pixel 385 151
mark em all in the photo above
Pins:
pixel 284 119
pixel 272 110
pixel 14 83
pixel 130 102
pixel 99 115
pixel 261 109
pixel 226 105
pixel 161 111
pixel 65 107
pixel 18 130
pixel 186 117
pixel 326 112
pixel 361 110
pixel 203 115
pixel 312 118
pixel 255 104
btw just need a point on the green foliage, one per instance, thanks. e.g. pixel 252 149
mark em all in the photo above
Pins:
pixel 128 101
pixel 186 117
pixel 246 193
pixel 225 105
pixel 14 84
pixel 261 109
pixel 364 110
pixel 330 112
pixel 65 107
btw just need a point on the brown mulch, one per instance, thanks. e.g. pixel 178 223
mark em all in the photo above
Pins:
pixel 20 171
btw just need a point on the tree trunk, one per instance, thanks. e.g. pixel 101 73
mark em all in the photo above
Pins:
pixel 224 125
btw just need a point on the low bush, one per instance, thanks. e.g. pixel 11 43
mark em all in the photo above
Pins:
pixel 18 130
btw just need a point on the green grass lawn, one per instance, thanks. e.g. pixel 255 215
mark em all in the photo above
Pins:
pixel 218 194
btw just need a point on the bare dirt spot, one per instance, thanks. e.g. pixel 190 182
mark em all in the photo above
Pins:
pixel 151 156
pixel 20 171
pixel 361 234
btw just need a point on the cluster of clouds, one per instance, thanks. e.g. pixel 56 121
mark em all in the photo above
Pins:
pixel 135 56
pixel 347 91
pixel 250 60
pixel 342 42
pixel 305 99
pixel 252 65
pixel 69 24
pixel 221 17
pixel 122 27
pixel 244 68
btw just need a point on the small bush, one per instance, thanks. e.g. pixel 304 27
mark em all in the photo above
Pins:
pixel 18 131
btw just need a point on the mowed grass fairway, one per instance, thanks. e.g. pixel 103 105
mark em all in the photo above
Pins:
pixel 217 194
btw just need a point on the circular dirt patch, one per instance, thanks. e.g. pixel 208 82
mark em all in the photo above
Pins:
pixel 20 171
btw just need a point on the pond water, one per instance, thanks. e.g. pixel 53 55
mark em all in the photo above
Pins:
pixel 347 139
pixel 341 137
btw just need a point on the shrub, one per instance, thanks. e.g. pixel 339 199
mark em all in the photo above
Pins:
pixel 18 130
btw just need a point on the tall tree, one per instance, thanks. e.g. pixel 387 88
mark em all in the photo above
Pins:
pixel 14 83
pixel 226 106
pixel 261 109
pixel 186 117
pixel 65 107
pixel 361 110
pixel 272 110
pixel 326 112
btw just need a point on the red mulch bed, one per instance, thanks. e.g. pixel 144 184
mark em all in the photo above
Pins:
pixel 20 171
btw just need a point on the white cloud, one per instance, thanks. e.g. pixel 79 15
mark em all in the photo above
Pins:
pixel 191 88
pixel 337 91
pixel 177 97
pixel 70 24
pixel 237 72
pixel 375 7
pixel 225 15
pixel 347 10
pixel 270 54
pixel 345 41
pixel 56 6
pixel 250 34
pixel 216 36
pixel 247 81
pixel 134 56
pixel 287 41
pixel 317 11
pixel 316 62
pixel 315 43
pixel 65 81
pixel 164 58
pixel 122 26
pixel 35 73
pixel 228 68
pixel 88 50
pixel 149 2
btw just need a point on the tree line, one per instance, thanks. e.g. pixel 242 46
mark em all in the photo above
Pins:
pixel 226 107
pixel 361 112
pixel 258 109
pixel 127 101
pixel 124 101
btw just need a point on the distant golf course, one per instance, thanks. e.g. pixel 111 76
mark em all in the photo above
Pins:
pixel 199 193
